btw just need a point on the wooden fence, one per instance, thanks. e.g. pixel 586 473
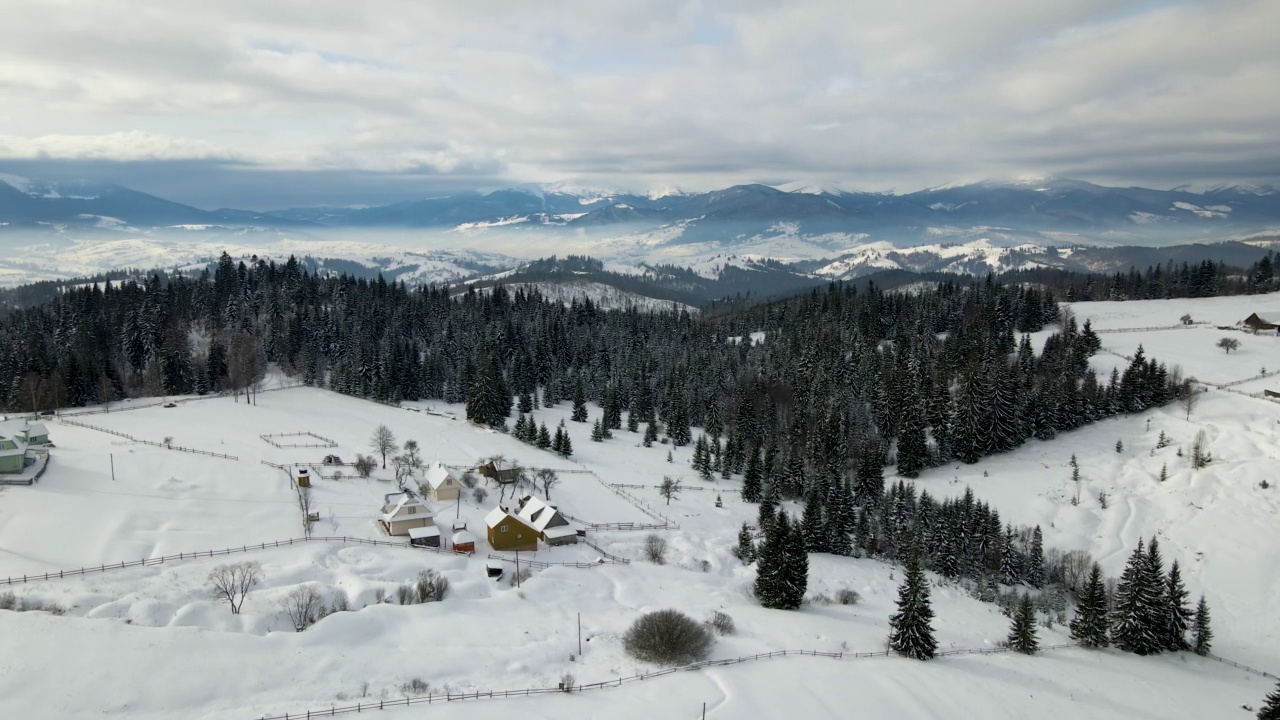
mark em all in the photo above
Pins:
pixel 542 565
pixel 324 441
pixel 147 562
pixel 1149 329
pixel 126 436
pixel 431 697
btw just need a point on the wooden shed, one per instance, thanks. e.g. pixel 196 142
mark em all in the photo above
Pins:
pixel 464 541
pixel 427 536
pixel 304 478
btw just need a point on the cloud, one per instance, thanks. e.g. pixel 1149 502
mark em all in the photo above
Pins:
pixel 695 93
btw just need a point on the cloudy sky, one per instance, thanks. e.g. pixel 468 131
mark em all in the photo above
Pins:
pixel 260 104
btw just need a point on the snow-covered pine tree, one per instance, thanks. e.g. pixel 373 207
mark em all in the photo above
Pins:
pixel 543 439
pixel 526 403
pixel 911 627
pixel 1270 709
pixel 772 586
pixel 1010 560
pixel 557 440
pixel 796 572
pixel 1135 605
pixel 1035 559
pixel 811 525
pixel 1203 642
pixel 1177 614
pixel 752 478
pixel 870 475
pixel 746 550
pixel 579 403
pixel 597 432
pixel 1154 579
pixel 650 433
pixel 1089 627
pixel 967 416
pixel 1022 633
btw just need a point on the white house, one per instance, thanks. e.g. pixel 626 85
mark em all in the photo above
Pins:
pixel 441 484
pixel 551 526
pixel 402 511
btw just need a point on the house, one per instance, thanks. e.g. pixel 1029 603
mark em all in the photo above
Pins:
pixel 13 452
pixel 508 532
pixel 402 512
pixel 35 434
pixel 550 525
pixel 1257 323
pixel 441 484
pixel 427 536
pixel 17 449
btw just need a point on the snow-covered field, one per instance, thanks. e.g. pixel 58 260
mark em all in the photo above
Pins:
pixel 149 642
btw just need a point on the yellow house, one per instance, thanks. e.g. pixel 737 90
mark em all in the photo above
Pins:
pixel 507 532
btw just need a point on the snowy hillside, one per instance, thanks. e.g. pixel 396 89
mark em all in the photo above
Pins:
pixel 107 499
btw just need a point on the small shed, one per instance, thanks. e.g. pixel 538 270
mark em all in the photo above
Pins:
pixel 464 541
pixel 304 478
pixel 428 536
pixel 493 569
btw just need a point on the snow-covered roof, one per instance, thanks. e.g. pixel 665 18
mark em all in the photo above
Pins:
pixel 407 502
pixel 424 532
pixel 559 531
pixel 536 514
pixel 462 536
pixel 37 428
pixel 495 517
pixel 437 474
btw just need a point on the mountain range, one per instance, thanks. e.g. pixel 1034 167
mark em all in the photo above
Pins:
pixel 1046 212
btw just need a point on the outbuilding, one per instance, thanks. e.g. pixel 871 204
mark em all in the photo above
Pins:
pixel 425 536
pixel 464 541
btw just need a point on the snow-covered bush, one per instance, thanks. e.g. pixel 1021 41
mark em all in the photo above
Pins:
pixel 668 637
pixel 432 586
pixel 8 601
pixel 365 465
pixel 303 605
pixel 845 596
pixel 721 623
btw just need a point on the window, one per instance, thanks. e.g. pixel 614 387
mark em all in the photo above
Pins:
pixel 502 529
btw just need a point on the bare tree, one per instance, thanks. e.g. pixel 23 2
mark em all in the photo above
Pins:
pixel 1200 455
pixel 365 465
pixel 232 583
pixel 412 454
pixel 1229 344
pixel 403 469
pixel 305 504
pixel 669 489
pixel 106 392
pixel 383 443
pixel 302 605
pixel 548 479
pixel 1186 319
pixel 245 365
pixel 1189 397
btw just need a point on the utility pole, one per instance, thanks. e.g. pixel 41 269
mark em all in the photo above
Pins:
pixel 579 634
pixel 113 466
pixel 517 569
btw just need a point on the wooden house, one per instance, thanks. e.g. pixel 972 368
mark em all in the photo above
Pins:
pixel 464 541
pixel 402 512
pixel 441 484
pixel 508 532
pixel 1259 324
pixel 552 527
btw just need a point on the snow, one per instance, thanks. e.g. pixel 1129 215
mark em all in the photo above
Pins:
pixel 148 642
pixel 1213 211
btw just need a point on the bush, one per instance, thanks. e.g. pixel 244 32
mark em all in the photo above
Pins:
pixel 365 465
pixel 303 606
pixel 479 494
pixel 520 577
pixel 668 637
pixel 416 686
pixel 721 623
pixel 820 599
pixel 568 682
pixel 655 549
pixel 8 601
pixel 340 603
pixel 404 594
pixel 432 586
pixel 846 596
pixel 469 479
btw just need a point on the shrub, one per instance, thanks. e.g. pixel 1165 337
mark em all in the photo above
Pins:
pixel 431 586
pixel 365 465
pixel 655 549
pixel 340 603
pixel 845 596
pixel 380 595
pixel 8 601
pixel 404 594
pixel 479 494
pixel 416 686
pixel 469 479
pixel 519 577
pixel 820 599
pixel 721 623
pixel 668 637
pixel 568 682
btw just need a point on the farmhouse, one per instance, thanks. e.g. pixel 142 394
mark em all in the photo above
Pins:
pixel 441 484
pixel 1257 323
pixel 508 532
pixel 402 512
pixel 22 444
pixel 551 526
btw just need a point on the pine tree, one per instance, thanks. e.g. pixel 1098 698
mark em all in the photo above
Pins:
pixel 543 439
pixel 1204 634
pixel 796 572
pixel 1136 603
pixel 1089 627
pixel 579 404
pixel 911 628
pixel 557 441
pixel 526 403
pixel 768 511
pixel 746 550
pixel 752 477
pixel 1177 614
pixel 1271 709
pixel 1035 560
pixel 650 434
pixel 773 579
pixel 567 448
pixel 1164 472
pixel 1022 634
pixel 811 521
pixel 597 432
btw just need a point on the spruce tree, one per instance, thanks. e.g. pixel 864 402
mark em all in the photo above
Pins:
pixel 567 448
pixel 579 404
pixel 543 439
pixel 650 434
pixel 1177 614
pixel 597 432
pixel 1022 633
pixel 526 403
pixel 1271 708
pixel 911 628
pixel 772 578
pixel 796 571
pixel 752 477
pixel 1136 604
pixel 557 441
pixel 1035 560
pixel 746 550
pixel 1203 633
pixel 1089 627
pixel 811 521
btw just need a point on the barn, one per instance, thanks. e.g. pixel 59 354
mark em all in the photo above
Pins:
pixel 1260 324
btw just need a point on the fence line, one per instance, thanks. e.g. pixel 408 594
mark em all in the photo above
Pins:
pixel 431 698
pixel 612 558
pixel 682 487
pixel 324 441
pixel 147 562
pixel 1192 326
pixel 641 505
pixel 126 436
pixel 542 565
pixel 1246 668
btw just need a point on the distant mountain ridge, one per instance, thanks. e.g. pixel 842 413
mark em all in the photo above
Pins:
pixel 1046 212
